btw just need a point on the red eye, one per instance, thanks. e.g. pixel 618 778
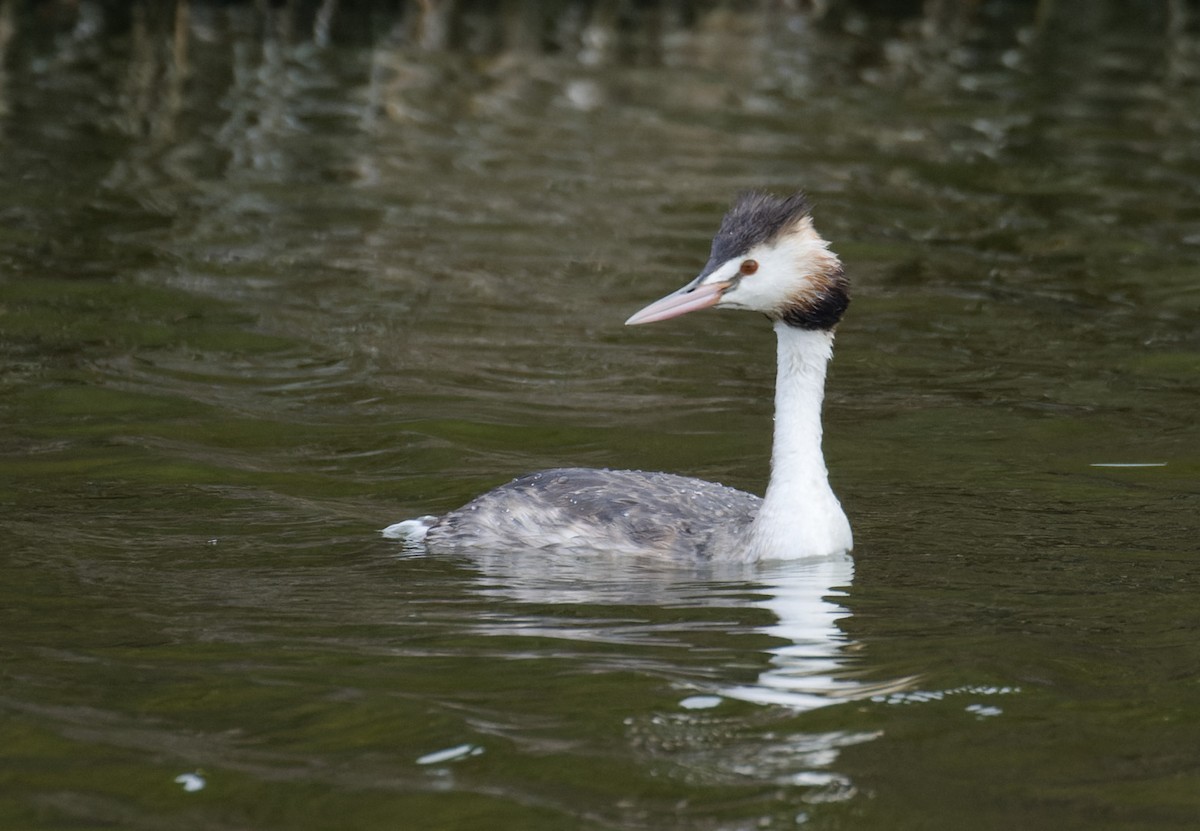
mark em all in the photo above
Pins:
pixel 748 267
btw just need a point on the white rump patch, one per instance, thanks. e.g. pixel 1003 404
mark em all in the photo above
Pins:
pixel 410 530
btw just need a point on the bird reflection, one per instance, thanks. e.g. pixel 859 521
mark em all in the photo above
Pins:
pixel 808 668
pixel 804 672
pixel 692 627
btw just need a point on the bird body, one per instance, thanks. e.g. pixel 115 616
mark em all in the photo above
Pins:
pixel 616 511
pixel 766 257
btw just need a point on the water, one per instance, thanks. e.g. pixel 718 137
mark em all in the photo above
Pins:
pixel 271 280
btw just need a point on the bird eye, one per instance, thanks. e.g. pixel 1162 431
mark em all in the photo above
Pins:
pixel 748 267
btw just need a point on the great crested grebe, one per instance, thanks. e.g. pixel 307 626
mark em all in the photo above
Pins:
pixel 768 258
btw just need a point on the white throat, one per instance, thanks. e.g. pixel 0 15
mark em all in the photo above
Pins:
pixel 799 516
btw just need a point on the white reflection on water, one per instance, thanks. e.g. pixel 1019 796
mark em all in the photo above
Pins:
pixel 808 669
pixel 807 661
pixel 804 671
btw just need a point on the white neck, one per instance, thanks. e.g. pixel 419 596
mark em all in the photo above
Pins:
pixel 799 516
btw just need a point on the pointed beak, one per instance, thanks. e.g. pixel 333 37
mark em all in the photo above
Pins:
pixel 688 299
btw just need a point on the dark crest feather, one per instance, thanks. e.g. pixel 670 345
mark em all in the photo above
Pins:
pixel 755 218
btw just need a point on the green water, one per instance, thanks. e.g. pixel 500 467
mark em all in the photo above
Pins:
pixel 273 278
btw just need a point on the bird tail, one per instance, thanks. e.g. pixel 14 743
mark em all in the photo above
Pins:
pixel 410 530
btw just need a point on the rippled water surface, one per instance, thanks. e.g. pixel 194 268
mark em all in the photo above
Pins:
pixel 273 278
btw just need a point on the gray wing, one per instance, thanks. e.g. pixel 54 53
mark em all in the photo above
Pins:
pixel 617 511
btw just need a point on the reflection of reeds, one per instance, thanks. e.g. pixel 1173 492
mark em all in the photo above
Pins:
pixel 152 88
pixel 8 28
pixel 439 61
pixel 179 50
pixel 912 37
pixel 913 40
pixel 323 21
